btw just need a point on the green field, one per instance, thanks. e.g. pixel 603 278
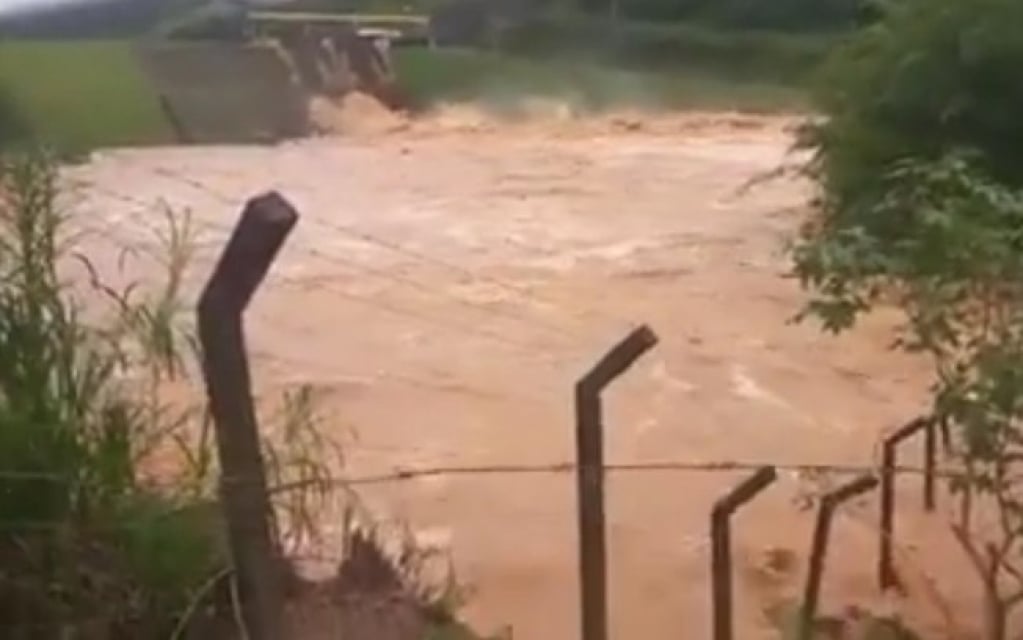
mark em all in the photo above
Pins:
pixel 77 96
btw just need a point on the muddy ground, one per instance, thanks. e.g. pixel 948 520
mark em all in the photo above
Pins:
pixel 449 281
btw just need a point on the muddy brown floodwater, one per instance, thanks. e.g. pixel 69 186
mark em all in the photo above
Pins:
pixel 451 278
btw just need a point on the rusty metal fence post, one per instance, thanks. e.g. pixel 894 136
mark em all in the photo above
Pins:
pixel 945 430
pixel 721 546
pixel 821 533
pixel 590 477
pixel 886 575
pixel 930 453
pixel 260 233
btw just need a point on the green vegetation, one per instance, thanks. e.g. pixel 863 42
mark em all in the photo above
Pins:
pixel 504 82
pixel 74 96
pixel 109 523
pixel 86 541
pixel 597 64
pixel 732 54
pixel 788 15
pixel 921 205
pixel 855 624
pixel 586 59
pixel 793 15
pixel 78 95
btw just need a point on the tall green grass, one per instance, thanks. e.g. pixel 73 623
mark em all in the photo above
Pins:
pixel 78 95
pixel 86 542
pixel 109 523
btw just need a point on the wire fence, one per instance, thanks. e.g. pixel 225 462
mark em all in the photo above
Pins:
pixel 414 473
pixel 557 342
pixel 244 491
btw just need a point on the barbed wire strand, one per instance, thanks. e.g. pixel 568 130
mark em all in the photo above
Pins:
pixel 134 245
pixel 460 386
pixel 369 238
pixel 379 242
pixel 412 253
pixel 514 469
pixel 433 292
pixel 454 387
pixel 538 352
pixel 143 207
pixel 541 353
pixel 668 466
pixel 465 272
pixel 414 473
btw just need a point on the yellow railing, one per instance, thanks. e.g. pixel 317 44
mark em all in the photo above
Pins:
pixel 333 18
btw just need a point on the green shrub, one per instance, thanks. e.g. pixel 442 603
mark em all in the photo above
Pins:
pixel 647 45
pixel 917 160
pixel 791 15
pixel 932 78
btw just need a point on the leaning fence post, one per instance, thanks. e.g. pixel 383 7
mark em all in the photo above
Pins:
pixel 260 233
pixel 821 532
pixel 930 452
pixel 590 477
pixel 885 565
pixel 946 435
pixel 721 546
